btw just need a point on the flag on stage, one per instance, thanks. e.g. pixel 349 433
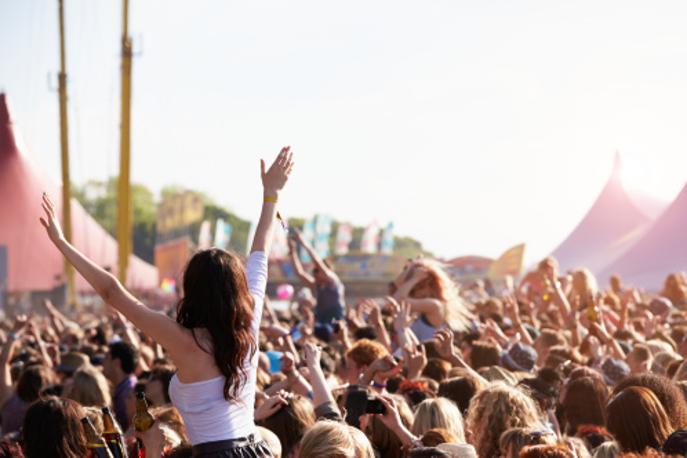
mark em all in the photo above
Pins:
pixel 344 235
pixel 370 241
pixel 204 236
pixel 323 229
pixel 509 263
pixel 222 234
pixel 387 244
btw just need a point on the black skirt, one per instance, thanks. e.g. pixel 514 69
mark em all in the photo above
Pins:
pixel 243 447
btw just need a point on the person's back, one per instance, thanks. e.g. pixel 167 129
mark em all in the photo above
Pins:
pixel 207 414
pixel 330 301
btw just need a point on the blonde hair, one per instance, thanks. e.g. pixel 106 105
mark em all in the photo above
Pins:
pixel 494 410
pixel 438 413
pixel 334 440
pixel 455 310
pixel 584 284
pixel 89 388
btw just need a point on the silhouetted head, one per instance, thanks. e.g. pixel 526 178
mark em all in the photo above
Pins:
pixel 216 298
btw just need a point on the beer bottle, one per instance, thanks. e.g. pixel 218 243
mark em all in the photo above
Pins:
pixel 112 435
pixel 143 420
pixel 96 444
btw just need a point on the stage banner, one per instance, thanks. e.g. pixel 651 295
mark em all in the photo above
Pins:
pixel 387 244
pixel 178 211
pixel 508 264
pixel 370 241
pixel 222 234
pixel 171 258
pixel 344 235
pixel 368 267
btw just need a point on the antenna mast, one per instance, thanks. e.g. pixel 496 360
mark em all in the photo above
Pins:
pixel 124 194
pixel 64 148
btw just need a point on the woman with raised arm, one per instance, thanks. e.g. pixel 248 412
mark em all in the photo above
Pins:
pixel 433 299
pixel 213 341
pixel 323 281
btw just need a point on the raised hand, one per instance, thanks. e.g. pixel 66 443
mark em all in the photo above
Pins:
pixel 270 406
pixel 312 354
pixel 416 360
pixel 274 178
pixel 391 417
pixel 50 221
pixel 20 323
pixel 403 319
pixel 288 363
pixel 444 344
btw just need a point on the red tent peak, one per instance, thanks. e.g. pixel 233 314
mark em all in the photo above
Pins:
pixel 8 143
pixel 4 111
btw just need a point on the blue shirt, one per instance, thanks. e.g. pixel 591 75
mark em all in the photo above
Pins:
pixel 121 392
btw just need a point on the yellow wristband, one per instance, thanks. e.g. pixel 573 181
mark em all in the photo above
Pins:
pixel 270 199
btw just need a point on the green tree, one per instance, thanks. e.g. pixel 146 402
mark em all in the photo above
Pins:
pixel 99 199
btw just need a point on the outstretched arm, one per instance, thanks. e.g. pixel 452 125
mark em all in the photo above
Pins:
pixel 305 277
pixel 157 325
pixel 316 259
pixel 273 181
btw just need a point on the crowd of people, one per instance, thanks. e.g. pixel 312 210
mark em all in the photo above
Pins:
pixel 555 366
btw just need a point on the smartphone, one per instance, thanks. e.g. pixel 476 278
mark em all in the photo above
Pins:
pixel 336 326
pixel 296 334
pixel 374 405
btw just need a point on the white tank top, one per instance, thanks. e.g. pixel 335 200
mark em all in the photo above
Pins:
pixel 207 415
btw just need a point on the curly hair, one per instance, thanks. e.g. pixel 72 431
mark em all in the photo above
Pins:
pixel 494 410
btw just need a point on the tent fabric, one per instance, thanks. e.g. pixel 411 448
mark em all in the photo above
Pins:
pixel 34 264
pixel 660 251
pixel 610 227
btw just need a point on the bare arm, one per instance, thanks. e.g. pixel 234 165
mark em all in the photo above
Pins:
pixel 5 356
pixel 157 325
pixel 316 259
pixel 305 277
pixel 273 181
pixel 446 349
pixel 320 390
pixel 33 328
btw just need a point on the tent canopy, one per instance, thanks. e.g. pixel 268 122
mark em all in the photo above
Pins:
pixel 34 264
pixel 610 227
pixel 660 251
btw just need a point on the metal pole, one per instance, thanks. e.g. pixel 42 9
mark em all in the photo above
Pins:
pixel 124 195
pixel 64 148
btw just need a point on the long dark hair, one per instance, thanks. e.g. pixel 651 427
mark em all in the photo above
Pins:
pixel 216 298
pixel 52 427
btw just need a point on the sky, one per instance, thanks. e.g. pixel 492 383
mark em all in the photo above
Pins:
pixel 473 126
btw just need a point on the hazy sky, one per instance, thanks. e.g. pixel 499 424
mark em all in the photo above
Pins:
pixel 472 125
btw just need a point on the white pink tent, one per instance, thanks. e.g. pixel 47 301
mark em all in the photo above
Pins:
pixel 659 251
pixel 610 227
